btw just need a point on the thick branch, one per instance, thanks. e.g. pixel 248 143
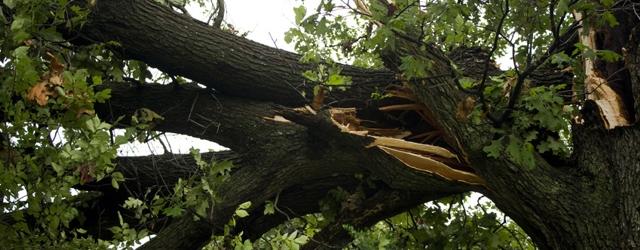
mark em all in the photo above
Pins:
pixel 246 127
pixel 180 45
pixel 275 155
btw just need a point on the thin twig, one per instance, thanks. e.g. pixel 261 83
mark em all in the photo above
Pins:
pixel 485 73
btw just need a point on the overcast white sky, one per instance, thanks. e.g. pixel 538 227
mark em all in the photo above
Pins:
pixel 261 18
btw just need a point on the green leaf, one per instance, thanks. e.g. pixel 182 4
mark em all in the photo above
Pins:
pixel 303 239
pixel 459 22
pixel 610 19
pixel 494 149
pixel 311 75
pixel 120 218
pixel 173 211
pixel 414 67
pixel 466 82
pixel 608 55
pixel 242 213
pixel 10 3
pixel 521 153
pixel 51 34
pixel 563 6
pixel 269 208
pixel 58 168
pixel 20 22
pixel 607 3
pixel 91 124
pixel 103 95
pixel 222 167
pixel 328 6
pixel 561 58
pixel 132 203
pixel 300 13
pixel 115 184
pixel 97 80
pixel 201 209
pixel 245 205
pixel 338 80
pixel 118 176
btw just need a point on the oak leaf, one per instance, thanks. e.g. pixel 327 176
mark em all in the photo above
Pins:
pixel 43 90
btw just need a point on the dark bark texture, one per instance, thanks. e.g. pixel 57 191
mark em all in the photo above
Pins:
pixel 222 61
pixel 592 202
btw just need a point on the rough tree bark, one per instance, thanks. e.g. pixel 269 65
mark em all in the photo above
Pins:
pixel 275 160
pixel 590 203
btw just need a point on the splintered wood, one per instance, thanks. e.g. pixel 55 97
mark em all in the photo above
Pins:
pixel 346 119
pixel 422 157
pixel 610 104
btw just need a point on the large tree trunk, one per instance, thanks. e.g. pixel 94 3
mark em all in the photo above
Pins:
pixel 591 203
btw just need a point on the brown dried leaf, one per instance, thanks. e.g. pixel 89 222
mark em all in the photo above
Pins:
pixel 86 173
pixel 40 93
pixel 56 68
pixel 465 108
pixel 56 80
pixel 43 90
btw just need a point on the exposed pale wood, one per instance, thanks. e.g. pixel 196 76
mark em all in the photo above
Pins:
pixel 612 110
pixel 277 118
pixel 411 146
pixel 610 104
pixel 426 164
pixel 346 119
pixel 412 106
pixel 390 132
pixel 414 155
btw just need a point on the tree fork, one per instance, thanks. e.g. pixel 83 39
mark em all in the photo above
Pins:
pixel 287 153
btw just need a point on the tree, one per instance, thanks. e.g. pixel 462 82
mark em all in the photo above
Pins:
pixel 422 114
